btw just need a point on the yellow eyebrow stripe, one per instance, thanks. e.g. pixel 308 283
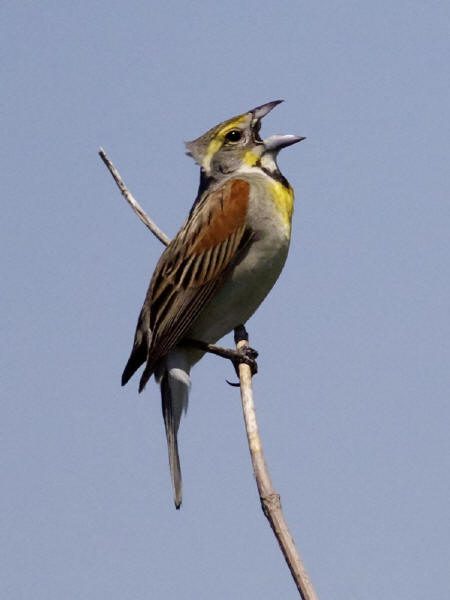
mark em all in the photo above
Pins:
pixel 216 143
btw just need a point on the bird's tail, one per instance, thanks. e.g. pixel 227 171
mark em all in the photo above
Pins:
pixel 175 383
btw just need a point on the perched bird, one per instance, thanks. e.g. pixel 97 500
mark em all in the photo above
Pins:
pixel 221 264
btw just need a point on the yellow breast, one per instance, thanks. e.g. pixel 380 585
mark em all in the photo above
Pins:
pixel 283 199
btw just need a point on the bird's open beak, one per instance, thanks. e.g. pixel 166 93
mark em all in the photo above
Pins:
pixel 261 111
pixel 275 142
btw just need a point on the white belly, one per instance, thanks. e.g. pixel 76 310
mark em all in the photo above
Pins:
pixel 240 296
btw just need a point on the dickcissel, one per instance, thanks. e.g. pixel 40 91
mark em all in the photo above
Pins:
pixel 221 264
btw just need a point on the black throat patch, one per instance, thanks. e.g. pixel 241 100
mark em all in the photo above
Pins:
pixel 275 175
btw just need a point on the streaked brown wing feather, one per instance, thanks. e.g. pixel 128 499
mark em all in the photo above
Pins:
pixel 189 271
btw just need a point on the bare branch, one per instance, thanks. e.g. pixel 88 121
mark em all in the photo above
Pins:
pixel 270 500
pixel 162 237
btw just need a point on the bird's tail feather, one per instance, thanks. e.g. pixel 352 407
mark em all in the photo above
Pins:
pixel 175 383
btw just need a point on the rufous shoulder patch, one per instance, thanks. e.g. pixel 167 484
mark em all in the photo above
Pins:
pixel 225 213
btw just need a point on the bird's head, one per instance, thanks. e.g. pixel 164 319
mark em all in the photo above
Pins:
pixel 235 143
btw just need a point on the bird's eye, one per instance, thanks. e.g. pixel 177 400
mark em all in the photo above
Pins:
pixel 234 135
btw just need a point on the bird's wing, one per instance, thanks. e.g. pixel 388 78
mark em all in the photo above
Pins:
pixel 189 271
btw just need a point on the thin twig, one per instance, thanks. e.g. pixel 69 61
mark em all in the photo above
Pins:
pixel 162 237
pixel 270 500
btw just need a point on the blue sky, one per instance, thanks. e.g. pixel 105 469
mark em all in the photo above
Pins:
pixel 352 394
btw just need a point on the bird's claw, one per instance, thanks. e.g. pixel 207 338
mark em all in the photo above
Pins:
pixel 233 384
pixel 247 356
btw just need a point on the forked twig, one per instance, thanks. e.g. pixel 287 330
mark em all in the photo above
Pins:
pixel 270 500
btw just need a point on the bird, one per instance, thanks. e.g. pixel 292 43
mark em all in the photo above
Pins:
pixel 220 266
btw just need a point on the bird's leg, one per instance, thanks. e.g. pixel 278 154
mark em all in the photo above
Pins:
pixel 248 356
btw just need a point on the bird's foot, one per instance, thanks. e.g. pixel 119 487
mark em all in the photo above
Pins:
pixel 247 355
